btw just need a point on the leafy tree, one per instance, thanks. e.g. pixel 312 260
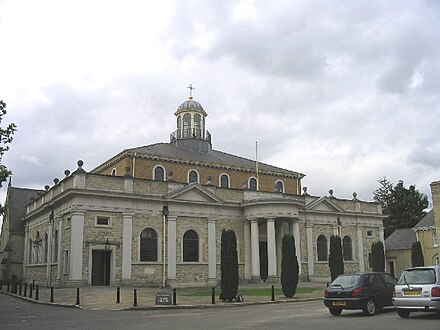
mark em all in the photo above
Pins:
pixel 6 135
pixel 289 267
pixel 335 259
pixel 404 206
pixel 229 265
pixel 417 259
pixel 377 257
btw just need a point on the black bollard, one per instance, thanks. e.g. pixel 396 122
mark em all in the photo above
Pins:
pixel 118 295
pixel 213 296
pixel 37 293
pixel 8 287
pixel 1 285
pixel 30 290
pixel 174 297
pixel 135 298
pixel 33 284
pixel 273 294
pixel 51 294
pixel 77 297
pixel 25 289
pixel 19 289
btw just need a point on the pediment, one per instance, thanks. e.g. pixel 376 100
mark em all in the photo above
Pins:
pixel 324 204
pixel 194 193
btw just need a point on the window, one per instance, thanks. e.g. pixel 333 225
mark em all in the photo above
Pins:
pixel 102 221
pixel 55 246
pixel 186 125
pixel 30 249
pixel 434 239
pixel 159 173
pixel 253 184
pixel 370 260
pixel 197 126
pixel 321 246
pixel 179 134
pixel 224 181
pixel 347 248
pixel 279 186
pixel 190 246
pixel 114 172
pixel 193 177
pixel 369 233
pixel 148 250
pixel 37 244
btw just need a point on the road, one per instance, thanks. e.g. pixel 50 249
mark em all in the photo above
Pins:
pixel 18 314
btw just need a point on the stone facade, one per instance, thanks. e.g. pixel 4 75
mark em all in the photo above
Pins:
pixel 435 190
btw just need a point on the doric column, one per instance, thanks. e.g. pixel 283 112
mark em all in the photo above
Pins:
pixel 76 246
pixel 247 250
pixel 297 236
pixel 49 253
pixel 310 256
pixel 26 250
pixel 255 244
pixel 271 250
pixel 360 248
pixel 212 259
pixel 60 236
pixel 279 243
pixel 172 279
pixel 127 238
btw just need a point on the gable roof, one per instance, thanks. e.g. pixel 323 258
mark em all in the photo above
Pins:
pixel 169 151
pixel 194 192
pixel 17 201
pixel 428 222
pixel 400 239
pixel 324 204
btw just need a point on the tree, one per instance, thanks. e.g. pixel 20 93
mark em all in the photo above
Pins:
pixel 404 206
pixel 289 266
pixel 335 259
pixel 229 265
pixel 6 135
pixel 417 259
pixel 377 257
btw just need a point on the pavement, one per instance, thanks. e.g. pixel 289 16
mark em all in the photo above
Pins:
pixel 105 297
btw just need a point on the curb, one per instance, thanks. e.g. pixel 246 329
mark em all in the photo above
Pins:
pixel 42 302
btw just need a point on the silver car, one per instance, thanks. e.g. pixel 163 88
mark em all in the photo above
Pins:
pixel 418 290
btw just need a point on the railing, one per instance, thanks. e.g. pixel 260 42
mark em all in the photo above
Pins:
pixel 190 133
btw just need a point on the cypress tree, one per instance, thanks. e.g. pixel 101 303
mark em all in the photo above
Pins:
pixel 335 259
pixel 289 267
pixel 417 259
pixel 377 257
pixel 229 265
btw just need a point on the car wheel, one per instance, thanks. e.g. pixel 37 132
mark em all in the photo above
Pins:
pixel 335 311
pixel 403 313
pixel 370 307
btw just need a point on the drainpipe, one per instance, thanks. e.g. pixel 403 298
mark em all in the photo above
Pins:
pixel 164 251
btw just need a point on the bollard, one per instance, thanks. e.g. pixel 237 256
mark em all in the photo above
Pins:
pixel 135 298
pixel 25 289
pixel 30 290
pixel 37 293
pixel 8 287
pixel 118 295
pixel 273 294
pixel 19 289
pixel 1 285
pixel 33 284
pixel 213 295
pixel 77 296
pixel 174 297
pixel 51 294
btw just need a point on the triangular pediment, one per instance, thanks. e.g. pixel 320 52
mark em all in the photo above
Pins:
pixel 324 204
pixel 194 193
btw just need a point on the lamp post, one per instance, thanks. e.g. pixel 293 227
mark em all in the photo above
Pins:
pixel 165 213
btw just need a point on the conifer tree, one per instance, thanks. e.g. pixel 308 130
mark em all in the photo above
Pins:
pixel 377 257
pixel 417 259
pixel 335 259
pixel 289 267
pixel 229 265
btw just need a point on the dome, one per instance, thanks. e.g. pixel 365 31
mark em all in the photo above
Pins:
pixel 190 105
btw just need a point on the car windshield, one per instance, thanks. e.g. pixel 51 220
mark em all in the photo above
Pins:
pixel 417 276
pixel 346 281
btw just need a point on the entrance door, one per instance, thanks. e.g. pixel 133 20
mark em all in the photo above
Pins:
pixel 263 261
pixel 101 267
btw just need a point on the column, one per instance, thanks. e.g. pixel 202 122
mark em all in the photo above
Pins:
pixel 26 250
pixel 247 250
pixel 255 244
pixel 60 236
pixel 310 256
pixel 172 279
pixel 49 253
pixel 271 251
pixel 127 239
pixel 297 236
pixel 279 243
pixel 360 248
pixel 76 246
pixel 212 257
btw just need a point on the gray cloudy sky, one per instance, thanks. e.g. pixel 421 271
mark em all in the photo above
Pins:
pixel 343 91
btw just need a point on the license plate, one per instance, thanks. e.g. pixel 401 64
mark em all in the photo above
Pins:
pixel 339 303
pixel 412 293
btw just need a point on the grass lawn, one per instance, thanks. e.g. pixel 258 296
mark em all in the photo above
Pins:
pixel 250 292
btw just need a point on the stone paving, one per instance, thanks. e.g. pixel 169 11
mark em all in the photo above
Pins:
pixel 105 297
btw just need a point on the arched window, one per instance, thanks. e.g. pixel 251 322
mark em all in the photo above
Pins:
pixel 190 246
pixel 186 125
pixel 253 184
pixel 46 248
pixel 197 125
pixel 193 177
pixel 148 251
pixel 179 126
pixel 114 172
pixel 279 186
pixel 224 181
pixel 159 173
pixel 37 244
pixel 347 248
pixel 321 247
pixel 55 246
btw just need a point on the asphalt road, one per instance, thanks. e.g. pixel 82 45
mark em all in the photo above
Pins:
pixel 18 314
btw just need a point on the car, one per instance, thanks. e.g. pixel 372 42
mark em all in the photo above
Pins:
pixel 418 290
pixel 367 291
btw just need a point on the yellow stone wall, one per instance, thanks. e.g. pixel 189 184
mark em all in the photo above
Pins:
pixel 435 190
pixel 430 252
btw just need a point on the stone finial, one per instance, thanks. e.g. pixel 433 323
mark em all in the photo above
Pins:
pixel 330 192
pixel 80 163
pixel 56 180
pixel 46 187
pixel 305 193
pixel 66 173
pixel 355 196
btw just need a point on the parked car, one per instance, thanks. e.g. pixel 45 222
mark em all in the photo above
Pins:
pixel 367 291
pixel 418 290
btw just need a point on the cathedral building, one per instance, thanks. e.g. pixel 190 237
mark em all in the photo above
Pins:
pixel 154 215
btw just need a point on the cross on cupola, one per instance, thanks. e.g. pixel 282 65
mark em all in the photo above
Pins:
pixel 190 86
